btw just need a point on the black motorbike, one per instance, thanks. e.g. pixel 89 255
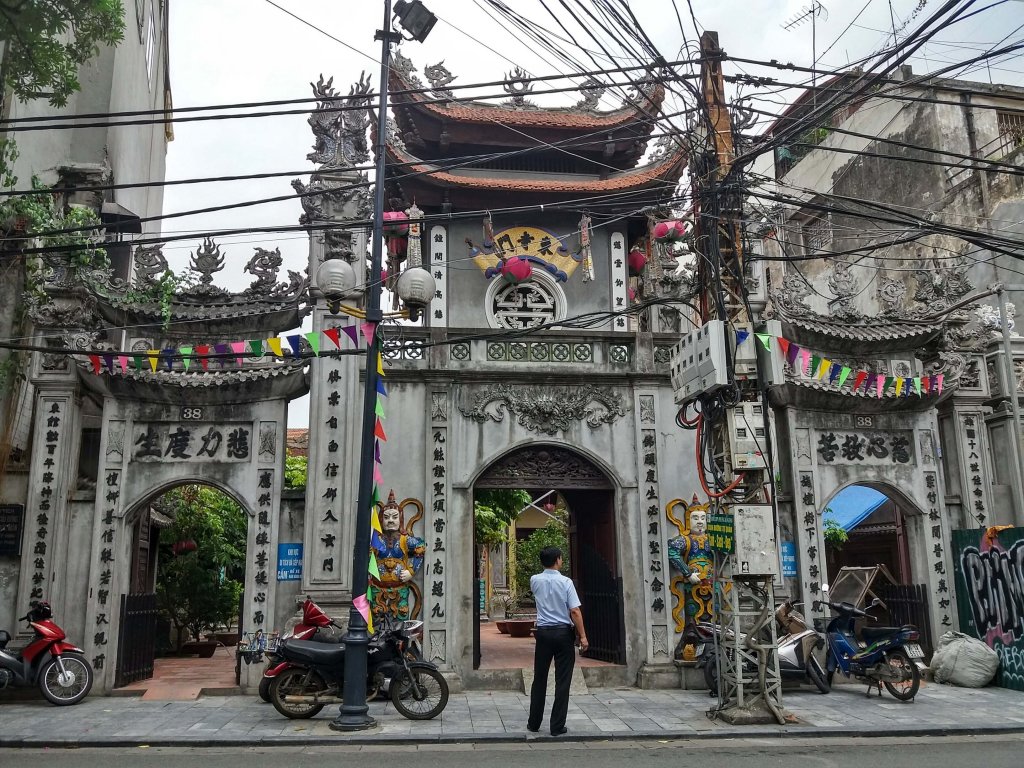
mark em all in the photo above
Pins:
pixel 314 675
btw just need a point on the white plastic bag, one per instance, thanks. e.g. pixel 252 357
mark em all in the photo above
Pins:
pixel 964 661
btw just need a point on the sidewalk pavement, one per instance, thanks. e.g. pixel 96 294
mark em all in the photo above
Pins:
pixel 500 716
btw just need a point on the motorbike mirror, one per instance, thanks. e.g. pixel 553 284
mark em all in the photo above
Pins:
pixel 875 603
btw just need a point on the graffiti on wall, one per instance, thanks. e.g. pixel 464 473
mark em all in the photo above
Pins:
pixel 990 594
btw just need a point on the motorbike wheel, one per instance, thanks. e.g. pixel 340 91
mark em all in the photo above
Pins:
pixel 906 689
pixel 67 687
pixel 421 697
pixel 294 682
pixel 265 688
pixel 814 672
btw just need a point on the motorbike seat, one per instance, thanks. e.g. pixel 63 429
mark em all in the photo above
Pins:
pixel 872 634
pixel 313 653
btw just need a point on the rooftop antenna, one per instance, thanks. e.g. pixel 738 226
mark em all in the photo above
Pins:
pixel 812 12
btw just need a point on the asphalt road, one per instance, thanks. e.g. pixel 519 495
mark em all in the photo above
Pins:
pixel 944 752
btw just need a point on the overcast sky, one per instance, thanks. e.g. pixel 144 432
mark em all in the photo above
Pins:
pixel 228 51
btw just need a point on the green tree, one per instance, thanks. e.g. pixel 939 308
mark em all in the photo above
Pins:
pixel 295 469
pixel 199 590
pixel 494 510
pixel 554 534
pixel 47 40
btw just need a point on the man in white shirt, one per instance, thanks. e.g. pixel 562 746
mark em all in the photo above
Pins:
pixel 558 613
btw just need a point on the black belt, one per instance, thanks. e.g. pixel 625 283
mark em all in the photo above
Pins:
pixel 555 626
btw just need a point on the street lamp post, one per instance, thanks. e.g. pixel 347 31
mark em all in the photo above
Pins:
pixel 353 714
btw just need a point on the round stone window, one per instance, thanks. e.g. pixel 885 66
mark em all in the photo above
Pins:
pixel 529 304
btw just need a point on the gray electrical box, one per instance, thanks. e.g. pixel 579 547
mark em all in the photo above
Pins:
pixel 756 553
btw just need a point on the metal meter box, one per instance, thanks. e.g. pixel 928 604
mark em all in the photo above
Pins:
pixel 747 436
pixel 698 362
pixel 756 553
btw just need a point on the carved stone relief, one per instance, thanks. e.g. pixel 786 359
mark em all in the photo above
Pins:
pixel 439 406
pixel 647 409
pixel 843 284
pixel 543 466
pixel 268 441
pixel 659 642
pixel 546 410
pixel 439 78
pixel 891 293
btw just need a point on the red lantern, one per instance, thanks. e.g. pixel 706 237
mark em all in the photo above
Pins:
pixel 516 269
pixel 396 224
pixel 669 231
pixel 636 261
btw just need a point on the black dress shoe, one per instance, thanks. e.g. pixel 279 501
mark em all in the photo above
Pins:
pixel 533 730
pixel 560 732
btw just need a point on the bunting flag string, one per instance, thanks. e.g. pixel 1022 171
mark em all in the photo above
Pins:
pixel 299 345
pixel 820 368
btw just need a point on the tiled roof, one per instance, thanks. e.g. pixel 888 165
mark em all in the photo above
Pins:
pixel 642 176
pixel 297 442
pixel 875 329
pixel 564 118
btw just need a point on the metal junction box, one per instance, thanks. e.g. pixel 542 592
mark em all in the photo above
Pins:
pixel 756 553
pixel 698 362
pixel 747 438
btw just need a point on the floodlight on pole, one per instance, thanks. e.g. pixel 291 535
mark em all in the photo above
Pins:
pixel 354 712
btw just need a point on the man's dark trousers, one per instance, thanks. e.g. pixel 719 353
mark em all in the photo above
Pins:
pixel 552 643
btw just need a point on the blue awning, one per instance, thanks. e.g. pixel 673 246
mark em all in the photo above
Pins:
pixel 853 505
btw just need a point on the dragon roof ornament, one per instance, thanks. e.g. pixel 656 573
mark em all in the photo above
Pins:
pixel 340 135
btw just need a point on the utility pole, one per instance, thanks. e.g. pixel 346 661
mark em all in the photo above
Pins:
pixel 749 682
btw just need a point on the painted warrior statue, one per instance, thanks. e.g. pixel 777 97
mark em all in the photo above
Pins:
pixel 690 556
pixel 399 557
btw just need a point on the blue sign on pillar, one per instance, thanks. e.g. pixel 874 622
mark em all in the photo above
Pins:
pixel 787 550
pixel 289 562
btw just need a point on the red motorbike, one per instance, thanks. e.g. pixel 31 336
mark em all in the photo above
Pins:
pixel 57 667
pixel 313 620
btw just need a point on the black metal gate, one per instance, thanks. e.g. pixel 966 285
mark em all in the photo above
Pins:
pixel 908 604
pixel 600 591
pixel 136 641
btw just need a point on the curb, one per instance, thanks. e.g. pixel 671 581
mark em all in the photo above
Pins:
pixel 799 731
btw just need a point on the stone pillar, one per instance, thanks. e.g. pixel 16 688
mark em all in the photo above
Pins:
pixel 53 474
pixel 335 404
pixel 437 583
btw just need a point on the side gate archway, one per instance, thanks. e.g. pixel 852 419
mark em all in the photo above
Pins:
pixel 892 453
pixel 148 448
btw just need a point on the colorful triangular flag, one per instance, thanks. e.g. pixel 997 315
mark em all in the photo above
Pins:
pixel 186 356
pixel 766 341
pixel 274 343
pixel 844 374
pixel 238 347
pixel 154 356
pixel 899 386
pixel 352 332
pixel 742 334
pixel 378 430
pixel 168 355
pixel 379 409
pixel 314 342
pixel 784 345
pixel 295 342
pixel 139 361
pixel 202 350
pixel 374 569
pixel 334 334
pixel 859 379
pixel 256 346
pixel 917 385
pixel 123 362
pixel 376 452
pixel 938 381
pixel 95 360
pixel 380 364
pixel 381 390
pixel 368 330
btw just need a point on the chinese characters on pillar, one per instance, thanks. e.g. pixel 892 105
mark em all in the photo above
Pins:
pixel 866 447
pixel 943 576
pixel 814 558
pixel 261 560
pixel 438 266
pixel 188 441
pixel 50 427
pixel 656 575
pixel 108 491
pixel 974 493
pixel 328 503
pixel 436 534
pixel 619 276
